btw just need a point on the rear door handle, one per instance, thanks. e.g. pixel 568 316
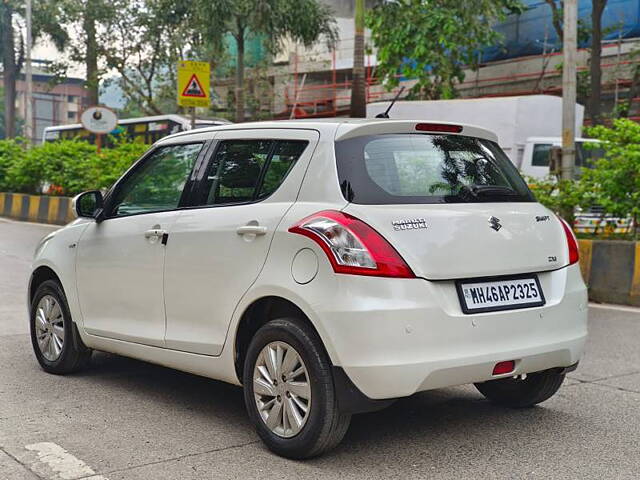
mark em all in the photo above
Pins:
pixel 252 230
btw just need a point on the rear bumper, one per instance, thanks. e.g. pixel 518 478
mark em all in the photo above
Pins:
pixel 395 337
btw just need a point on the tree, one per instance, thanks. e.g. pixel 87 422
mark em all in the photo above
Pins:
pixel 303 21
pixel 18 124
pixel 556 17
pixel 140 39
pixel 358 87
pixel 12 47
pixel 624 109
pixel 148 37
pixel 432 41
pixel 591 80
pixel 12 61
pixel 85 23
pixel 615 178
pixel 595 107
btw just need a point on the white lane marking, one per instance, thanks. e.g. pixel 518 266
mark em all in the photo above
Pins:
pixel 66 466
pixel 610 306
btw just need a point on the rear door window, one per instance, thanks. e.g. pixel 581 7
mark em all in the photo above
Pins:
pixel 423 168
pixel 285 154
pixel 243 171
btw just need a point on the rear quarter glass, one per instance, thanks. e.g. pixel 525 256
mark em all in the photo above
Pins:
pixel 426 168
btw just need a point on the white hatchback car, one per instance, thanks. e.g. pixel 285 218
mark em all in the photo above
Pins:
pixel 330 267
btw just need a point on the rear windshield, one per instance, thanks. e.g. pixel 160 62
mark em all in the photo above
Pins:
pixel 423 168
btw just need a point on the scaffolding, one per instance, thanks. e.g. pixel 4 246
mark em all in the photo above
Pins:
pixel 330 98
pixel 305 97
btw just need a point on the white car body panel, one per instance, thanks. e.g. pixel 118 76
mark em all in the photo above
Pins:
pixel 209 265
pixel 120 278
pixel 392 336
pixel 461 231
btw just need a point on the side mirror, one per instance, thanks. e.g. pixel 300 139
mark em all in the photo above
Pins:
pixel 88 204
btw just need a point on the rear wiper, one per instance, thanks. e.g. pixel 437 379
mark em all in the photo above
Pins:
pixel 482 190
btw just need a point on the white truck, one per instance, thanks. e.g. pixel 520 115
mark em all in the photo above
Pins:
pixel 527 126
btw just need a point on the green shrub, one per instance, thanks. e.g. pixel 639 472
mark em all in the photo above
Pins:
pixel 11 152
pixel 614 179
pixel 561 196
pixel 65 167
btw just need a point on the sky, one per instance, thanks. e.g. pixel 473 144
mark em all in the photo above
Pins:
pixel 45 50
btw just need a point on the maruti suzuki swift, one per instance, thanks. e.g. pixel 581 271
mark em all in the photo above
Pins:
pixel 328 267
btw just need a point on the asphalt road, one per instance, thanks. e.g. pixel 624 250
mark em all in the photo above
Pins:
pixel 125 419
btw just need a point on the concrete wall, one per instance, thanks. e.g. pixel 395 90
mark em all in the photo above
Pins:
pixel 36 208
pixel 611 269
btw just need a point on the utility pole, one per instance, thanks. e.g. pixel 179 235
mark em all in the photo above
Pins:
pixel 569 50
pixel 358 86
pixel 28 121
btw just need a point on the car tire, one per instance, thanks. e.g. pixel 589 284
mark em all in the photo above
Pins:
pixel 522 393
pixel 324 425
pixel 55 339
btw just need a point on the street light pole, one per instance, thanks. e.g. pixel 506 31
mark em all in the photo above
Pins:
pixel 28 121
pixel 569 50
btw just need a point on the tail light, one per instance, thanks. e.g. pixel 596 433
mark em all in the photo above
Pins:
pixel 352 246
pixel 574 254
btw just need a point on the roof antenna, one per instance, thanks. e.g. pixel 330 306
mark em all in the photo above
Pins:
pixel 385 114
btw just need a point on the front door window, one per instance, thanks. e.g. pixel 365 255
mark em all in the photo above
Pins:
pixel 158 184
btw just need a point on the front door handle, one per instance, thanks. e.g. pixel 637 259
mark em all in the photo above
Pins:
pixel 154 233
pixel 251 230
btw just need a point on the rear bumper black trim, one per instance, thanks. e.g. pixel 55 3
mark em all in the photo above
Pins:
pixel 351 399
pixel 569 369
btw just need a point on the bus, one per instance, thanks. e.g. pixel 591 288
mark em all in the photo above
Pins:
pixel 140 130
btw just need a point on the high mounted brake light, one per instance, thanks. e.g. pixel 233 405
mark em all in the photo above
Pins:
pixel 438 127
pixel 352 246
pixel 572 242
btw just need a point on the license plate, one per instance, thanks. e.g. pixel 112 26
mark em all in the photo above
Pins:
pixel 507 293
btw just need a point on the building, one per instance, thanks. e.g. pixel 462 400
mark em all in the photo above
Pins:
pixel 53 103
pixel 316 82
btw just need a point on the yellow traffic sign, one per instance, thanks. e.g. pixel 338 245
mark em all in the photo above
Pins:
pixel 193 84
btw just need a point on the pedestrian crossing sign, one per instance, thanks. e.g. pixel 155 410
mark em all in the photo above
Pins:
pixel 193 84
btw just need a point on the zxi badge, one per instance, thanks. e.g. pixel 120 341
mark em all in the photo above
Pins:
pixel 495 223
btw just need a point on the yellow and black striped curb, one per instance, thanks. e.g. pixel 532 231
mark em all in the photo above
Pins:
pixel 36 208
pixel 611 269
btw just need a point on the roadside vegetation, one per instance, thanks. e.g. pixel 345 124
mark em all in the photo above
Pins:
pixel 65 167
pixel 612 183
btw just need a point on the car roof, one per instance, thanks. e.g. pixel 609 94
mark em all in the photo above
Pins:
pixel 340 128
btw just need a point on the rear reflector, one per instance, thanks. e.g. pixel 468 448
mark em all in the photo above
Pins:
pixel 504 367
pixel 438 127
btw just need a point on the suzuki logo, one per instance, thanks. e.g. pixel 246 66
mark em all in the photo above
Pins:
pixel 495 223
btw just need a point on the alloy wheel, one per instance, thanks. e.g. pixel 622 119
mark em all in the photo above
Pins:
pixel 49 325
pixel 282 389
